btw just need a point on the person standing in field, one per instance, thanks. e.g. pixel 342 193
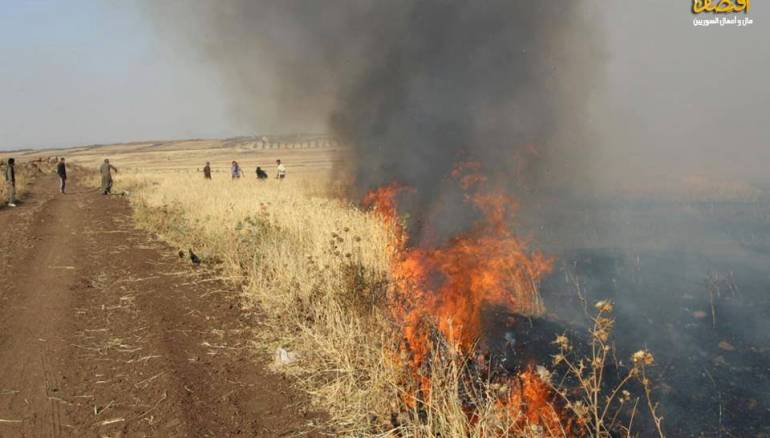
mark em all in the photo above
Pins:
pixel 61 170
pixel 10 181
pixel 235 170
pixel 281 170
pixel 207 171
pixel 106 171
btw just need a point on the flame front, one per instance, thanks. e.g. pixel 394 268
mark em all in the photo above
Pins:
pixel 445 288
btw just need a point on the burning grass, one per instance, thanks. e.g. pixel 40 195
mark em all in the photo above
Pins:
pixel 382 347
pixel 440 292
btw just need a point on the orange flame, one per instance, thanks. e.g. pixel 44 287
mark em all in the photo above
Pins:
pixel 383 199
pixel 528 404
pixel 444 288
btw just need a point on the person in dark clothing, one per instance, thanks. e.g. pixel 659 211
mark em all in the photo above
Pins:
pixel 10 181
pixel 61 170
pixel 261 174
pixel 207 171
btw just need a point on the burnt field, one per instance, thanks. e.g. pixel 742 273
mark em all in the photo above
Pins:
pixel 691 283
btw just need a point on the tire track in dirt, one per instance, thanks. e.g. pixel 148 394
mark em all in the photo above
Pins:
pixel 106 332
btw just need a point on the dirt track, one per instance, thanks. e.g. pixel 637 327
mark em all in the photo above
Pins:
pixel 106 332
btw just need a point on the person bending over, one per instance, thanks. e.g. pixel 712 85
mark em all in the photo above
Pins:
pixel 106 171
pixel 261 174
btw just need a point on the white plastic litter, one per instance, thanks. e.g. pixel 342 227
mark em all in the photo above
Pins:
pixel 284 356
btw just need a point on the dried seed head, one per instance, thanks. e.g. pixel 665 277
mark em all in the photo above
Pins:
pixel 643 357
pixel 543 373
pixel 562 341
pixel 580 409
pixel 604 306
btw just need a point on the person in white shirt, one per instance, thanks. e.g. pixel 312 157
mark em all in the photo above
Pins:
pixel 281 170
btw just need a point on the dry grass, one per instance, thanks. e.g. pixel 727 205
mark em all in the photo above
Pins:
pixel 26 172
pixel 22 182
pixel 597 404
pixel 308 261
pixel 318 268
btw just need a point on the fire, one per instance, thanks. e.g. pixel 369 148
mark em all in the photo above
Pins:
pixel 450 284
pixel 383 199
pixel 528 403
pixel 444 288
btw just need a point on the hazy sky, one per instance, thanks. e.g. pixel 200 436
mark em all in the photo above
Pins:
pixel 87 71
pixel 679 96
pixel 91 71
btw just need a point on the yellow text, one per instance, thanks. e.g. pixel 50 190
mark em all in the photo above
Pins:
pixel 721 6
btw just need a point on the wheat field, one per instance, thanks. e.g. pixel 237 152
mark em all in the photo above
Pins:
pixel 317 267
pixel 293 248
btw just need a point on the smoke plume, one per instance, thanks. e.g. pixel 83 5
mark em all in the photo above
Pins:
pixel 412 88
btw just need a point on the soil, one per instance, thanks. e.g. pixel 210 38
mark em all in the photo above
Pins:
pixel 106 332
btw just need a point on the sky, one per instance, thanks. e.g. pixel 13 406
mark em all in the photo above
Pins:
pixel 84 71
pixel 683 97
pixel 87 71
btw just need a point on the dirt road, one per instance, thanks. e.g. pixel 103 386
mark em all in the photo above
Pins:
pixel 106 332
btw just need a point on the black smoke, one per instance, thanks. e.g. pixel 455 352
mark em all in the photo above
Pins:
pixel 413 87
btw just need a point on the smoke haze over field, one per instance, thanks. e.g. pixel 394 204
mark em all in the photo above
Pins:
pixel 682 100
pixel 669 99
pixel 625 94
pixel 415 87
